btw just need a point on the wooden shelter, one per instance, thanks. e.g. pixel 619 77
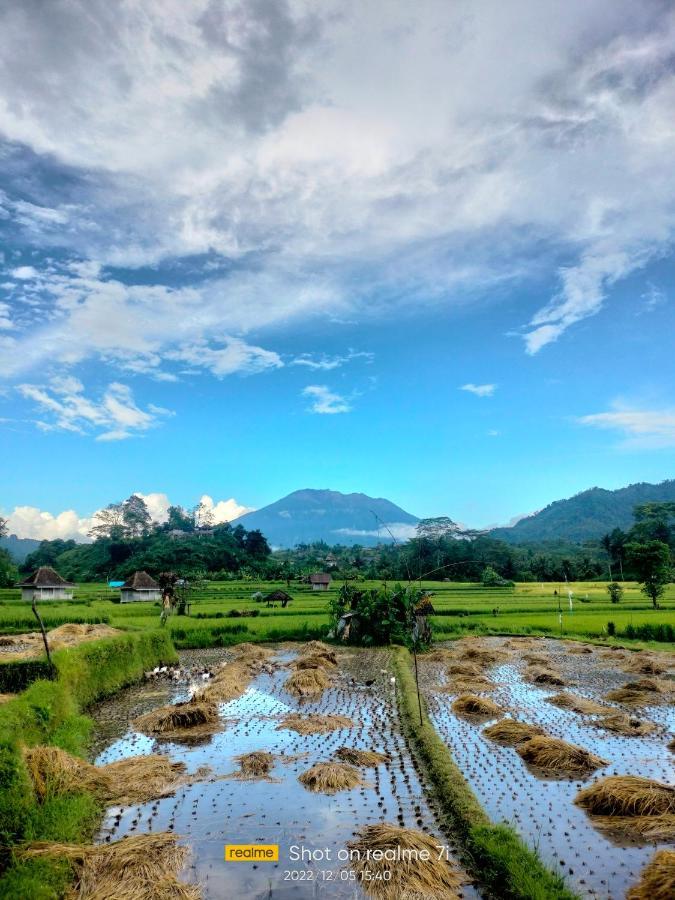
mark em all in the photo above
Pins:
pixel 46 584
pixel 140 586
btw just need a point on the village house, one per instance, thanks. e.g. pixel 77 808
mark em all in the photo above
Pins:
pixel 140 587
pixel 46 584
pixel 320 581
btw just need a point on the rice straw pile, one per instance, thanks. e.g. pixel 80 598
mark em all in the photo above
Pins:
pixel 307 683
pixel 314 723
pixel 411 876
pixel 316 660
pixel 544 676
pixel 31 645
pixel 132 780
pixel 231 679
pixel 482 656
pixel 472 705
pixel 316 647
pixel 511 732
pixel 468 669
pixel 252 652
pixel 629 726
pixel 580 648
pixel 178 718
pixel 657 881
pixel 629 803
pixel 257 764
pixel 671 745
pixel 536 659
pixel 361 757
pixel 440 654
pixel 646 691
pixel 641 664
pixel 577 704
pixel 142 867
pixel 479 684
pixel 331 777
pixel 557 757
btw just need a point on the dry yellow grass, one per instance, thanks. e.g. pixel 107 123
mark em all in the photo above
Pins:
pixel 557 757
pixel 472 705
pixel 178 718
pixel 68 635
pixel 629 726
pixel 307 683
pixel 314 723
pixel 331 777
pixel 657 881
pixel 131 780
pixel 577 704
pixel 361 757
pixel 418 873
pixel 143 867
pixel 511 732
pixel 627 795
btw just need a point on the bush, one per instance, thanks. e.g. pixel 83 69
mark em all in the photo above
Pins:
pixel 611 629
pixel 17 675
pixel 615 591
pixel 659 632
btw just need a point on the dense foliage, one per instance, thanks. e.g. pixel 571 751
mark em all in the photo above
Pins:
pixel 379 617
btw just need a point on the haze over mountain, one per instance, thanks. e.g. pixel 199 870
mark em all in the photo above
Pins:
pixel 312 515
pixel 586 516
pixel 18 548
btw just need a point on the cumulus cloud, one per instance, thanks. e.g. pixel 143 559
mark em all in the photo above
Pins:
pixel 480 390
pixel 640 428
pixel 401 531
pixel 116 416
pixel 32 522
pixel 325 401
pixel 308 195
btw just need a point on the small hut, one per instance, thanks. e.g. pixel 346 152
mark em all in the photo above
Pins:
pixel 280 597
pixel 320 581
pixel 140 587
pixel 46 584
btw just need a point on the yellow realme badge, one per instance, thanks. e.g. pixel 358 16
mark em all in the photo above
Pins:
pixel 251 853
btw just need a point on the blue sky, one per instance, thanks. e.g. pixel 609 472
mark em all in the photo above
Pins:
pixel 254 247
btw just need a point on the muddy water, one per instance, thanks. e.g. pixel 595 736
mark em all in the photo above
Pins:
pixel 210 814
pixel 542 809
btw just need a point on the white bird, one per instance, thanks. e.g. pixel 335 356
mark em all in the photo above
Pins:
pixel 392 680
pixel 205 676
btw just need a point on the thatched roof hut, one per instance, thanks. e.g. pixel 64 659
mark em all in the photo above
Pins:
pixel 46 584
pixel 140 586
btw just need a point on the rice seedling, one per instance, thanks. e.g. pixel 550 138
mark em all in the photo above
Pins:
pixel 307 683
pixel 557 757
pixel 577 704
pixel 544 676
pixel 331 777
pixel 409 857
pixel 314 723
pixel 511 732
pixel 627 795
pixel 143 867
pixel 472 705
pixel 629 726
pixel 135 779
pixel 657 881
pixel 177 718
pixel 361 757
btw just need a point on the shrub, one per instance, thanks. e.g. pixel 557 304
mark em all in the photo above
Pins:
pixel 611 629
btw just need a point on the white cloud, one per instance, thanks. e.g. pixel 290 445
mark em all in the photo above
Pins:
pixel 316 195
pixel 640 428
pixel 23 273
pixel 5 317
pixel 234 356
pixel 325 401
pixel 400 531
pixel 480 390
pixel 224 510
pixel 328 363
pixel 114 417
pixel 652 298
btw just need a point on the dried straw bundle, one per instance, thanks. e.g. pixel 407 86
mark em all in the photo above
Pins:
pixel 143 867
pixel 472 705
pixel 315 661
pixel 558 757
pixel 132 780
pixel 657 881
pixel 629 726
pixel 307 683
pixel 536 659
pixel 469 669
pixel 646 691
pixel 577 704
pixel 331 777
pixel 511 732
pixel 544 676
pixel 257 764
pixel 314 723
pixel 627 795
pixel 230 681
pixel 316 647
pixel 411 876
pixel 644 665
pixel 177 718
pixel 252 651
pixel 361 757
pixel 479 684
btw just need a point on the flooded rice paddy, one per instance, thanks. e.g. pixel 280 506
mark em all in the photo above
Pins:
pixel 540 807
pixel 280 810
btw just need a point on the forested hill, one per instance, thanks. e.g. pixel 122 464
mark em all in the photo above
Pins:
pixel 586 516
pixel 18 548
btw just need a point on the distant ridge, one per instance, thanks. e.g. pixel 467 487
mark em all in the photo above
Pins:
pixel 586 516
pixel 322 515
pixel 18 548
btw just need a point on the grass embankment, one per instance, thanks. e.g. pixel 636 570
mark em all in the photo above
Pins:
pixel 51 712
pixel 494 854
